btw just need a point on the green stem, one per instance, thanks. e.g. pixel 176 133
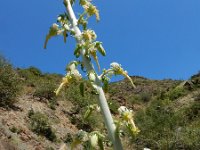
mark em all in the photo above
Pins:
pixel 97 85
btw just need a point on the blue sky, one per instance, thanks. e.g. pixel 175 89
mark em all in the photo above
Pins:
pixel 153 38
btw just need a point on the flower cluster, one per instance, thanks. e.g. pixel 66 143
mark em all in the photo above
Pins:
pixel 72 74
pixel 90 9
pixel 95 139
pixel 126 116
pixel 115 69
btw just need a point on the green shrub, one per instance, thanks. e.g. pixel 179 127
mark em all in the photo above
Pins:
pixel 3 61
pixel 29 78
pixel 9 85
pixel 68 138
pixel 164 128
pixel 15 129
pixel 193 112
pixel 145 97
pixel 73 94
pixel 45 90
pixel 35 71
pixel 113 106
pixel 197 97
pixel 176 93
pixel 40 124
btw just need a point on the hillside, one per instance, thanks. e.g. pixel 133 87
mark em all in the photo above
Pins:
pixel 32 117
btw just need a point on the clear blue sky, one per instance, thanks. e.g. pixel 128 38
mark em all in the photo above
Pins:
pixel 152 38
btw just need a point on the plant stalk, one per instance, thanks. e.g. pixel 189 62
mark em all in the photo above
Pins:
pixel 97 85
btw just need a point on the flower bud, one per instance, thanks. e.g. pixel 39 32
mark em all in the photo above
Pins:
pixel 59 18
pixel 91 76
pixel 122 109
pixel 94 140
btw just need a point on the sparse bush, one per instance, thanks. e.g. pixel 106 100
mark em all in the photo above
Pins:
pixel 45 90
pixel 113 107
pixel 3 61
pixel 9 85
pixel 15 130
pixel 40 124
pixel 176 93
pixel 193 111
pixel 163 128
pixel 197 97
pixel 73 94
pixel 35 71
pixel 145 97
pixel 50 148
pixel 68 138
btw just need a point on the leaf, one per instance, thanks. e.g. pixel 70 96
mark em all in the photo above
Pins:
pixel 82 88
pixel 65 35
pixel 87 113
pixel 82 21
pixel 100 48
pixel 77 50
pixel 100 143
pixel 72 2
pixel 75 143
pixel 105 86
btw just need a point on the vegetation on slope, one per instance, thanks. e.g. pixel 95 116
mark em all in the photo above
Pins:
pixel 166 111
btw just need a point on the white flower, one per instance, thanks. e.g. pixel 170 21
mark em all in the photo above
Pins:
pixel 59 18
pixel 122 109
pixel 55 26
pixel 91 76
pixel 66 27
pixel 98 109
pixel 115 65
pixel 94 140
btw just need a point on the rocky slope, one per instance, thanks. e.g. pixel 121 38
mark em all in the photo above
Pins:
pixel 153 101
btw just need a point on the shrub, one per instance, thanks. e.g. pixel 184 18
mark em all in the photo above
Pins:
pixel 9 85
pixel 45 90
pixel 68 138
pixel 197 97
pixel 176 93
pixel 35 71
pixel 145 97
pixel 15 130
pixel 113 106
pixel 40 124
pixel 3 61
pixel 193 111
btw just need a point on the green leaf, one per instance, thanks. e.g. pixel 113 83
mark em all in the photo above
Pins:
pixel 82 88
pixel 105 81
pixel 82 21
pixel 100 143
pixel 77 50
pixel 100 48
pixel 65 35
pixel 88 113
pixel 72 2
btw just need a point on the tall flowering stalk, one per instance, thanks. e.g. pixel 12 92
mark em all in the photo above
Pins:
pixel 85 51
